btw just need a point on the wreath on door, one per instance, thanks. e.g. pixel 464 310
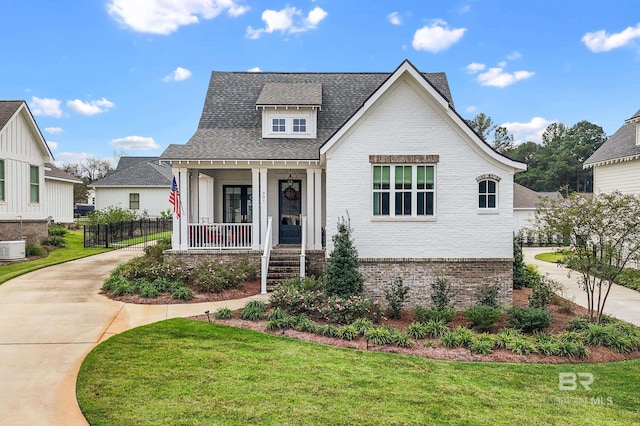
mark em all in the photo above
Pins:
pixel 290 194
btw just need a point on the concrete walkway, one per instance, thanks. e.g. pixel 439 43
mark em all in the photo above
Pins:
pixel 622 303
pixel 50 320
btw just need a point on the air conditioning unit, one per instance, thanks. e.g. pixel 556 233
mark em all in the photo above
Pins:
pixel 12 250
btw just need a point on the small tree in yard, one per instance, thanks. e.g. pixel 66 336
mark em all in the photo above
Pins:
pixel 519 274
pixel 396 296
pixel 341 275
pixel 604 233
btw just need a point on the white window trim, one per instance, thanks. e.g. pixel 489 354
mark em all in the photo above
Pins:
pixel 488 210
pixel 289 114
pixel 414 217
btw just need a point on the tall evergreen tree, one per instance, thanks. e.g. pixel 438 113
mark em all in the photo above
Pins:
pixel 341 275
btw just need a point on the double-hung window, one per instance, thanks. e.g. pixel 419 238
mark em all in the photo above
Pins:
pixel 411 195
pixel 299 125
pixel 278 125
pixel 34 184
pixel 134 201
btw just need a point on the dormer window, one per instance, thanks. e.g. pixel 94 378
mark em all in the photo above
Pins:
pixel 279 125
pixel 290 110
pixel 299 125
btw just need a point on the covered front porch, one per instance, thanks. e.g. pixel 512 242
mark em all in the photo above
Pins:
pixel 249 205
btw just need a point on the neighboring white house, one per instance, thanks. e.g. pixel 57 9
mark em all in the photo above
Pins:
pixel 141 184
pixel 525 203
pixel 426 197
pixel 616 164
pixel 33 192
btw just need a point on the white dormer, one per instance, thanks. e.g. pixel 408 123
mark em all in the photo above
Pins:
pixel 290 110
pixel 635 120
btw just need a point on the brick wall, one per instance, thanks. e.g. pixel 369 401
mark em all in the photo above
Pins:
pixel 194 257
pixel 33 230
pixel 464 275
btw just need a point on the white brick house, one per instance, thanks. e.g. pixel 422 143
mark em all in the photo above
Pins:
pixel 425 195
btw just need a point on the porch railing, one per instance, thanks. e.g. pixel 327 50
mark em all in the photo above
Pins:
pixel 220 235
pixel 264 267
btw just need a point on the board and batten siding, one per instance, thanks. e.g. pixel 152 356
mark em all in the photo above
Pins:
pixel 20 149
pixel 623 177
pixel 59 197
pixel 405 120
pixel 152 199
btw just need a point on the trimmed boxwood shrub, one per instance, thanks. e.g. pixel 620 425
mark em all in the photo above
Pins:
pixel 482 317
pixel 529 319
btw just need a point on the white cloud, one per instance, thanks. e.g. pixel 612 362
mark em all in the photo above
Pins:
pixel 288 21
pixel 436 37
pixel 178 74
pixel 471 109
pixel 465 9
pixel 514 55
pixel 91 107
pixel 166 16
pixel 394 18
pixel 73 157
pixel 475 67
pixel 600 41
pixel 498 77
pixel 254 69
pixel 136 143
pixel 52 145
pixel 53 130
pixel 45 106
pixel 531 131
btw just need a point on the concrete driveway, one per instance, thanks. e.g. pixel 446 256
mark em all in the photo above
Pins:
pixel 622 303
pixel 50 320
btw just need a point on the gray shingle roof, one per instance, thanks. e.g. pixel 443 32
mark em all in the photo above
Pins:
pixel 525 198
pixel 7 109
pixel 56 173
pixel 621 144
pixel 138 171
pixel 230 125
pixel 290 94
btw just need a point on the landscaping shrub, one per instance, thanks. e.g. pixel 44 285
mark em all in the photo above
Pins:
pixel 217 276
pixel 529 319
pixel 487 295
pixel 402 340
pixel 362 325
pixel 482 317
pixel 146 289
pixel 253 310
pixel 578 324
pixel 440 294
pixel 460 337
pixel 629 278
pixel 347 332
pixel 35 250
pixel 182 293
pixel 277 314
pixel 519 275
pixel 303 323
pixel 54 241
pixel 328 330
pixel 424 315
pixel 521 345
pixel 298 295
pixel 346 310
pixel 416 330
pixel 57 231
pixel 505 336
pixel 543 292
pixel 341 275
pixel 435 328
pixel 155 251
pixel 531 276
pixel 224 313
pixel 482 344
pixel 113 281
pixel 395 296
pixel 378 336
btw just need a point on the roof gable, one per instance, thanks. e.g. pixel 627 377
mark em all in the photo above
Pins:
pixel 10 109
pixel 54 173
pixel 137 171
pixel 621 146
pixel 408 69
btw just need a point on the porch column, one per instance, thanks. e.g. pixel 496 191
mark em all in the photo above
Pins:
pixel 194 186
pixel 263 205
pixel 318 206
pixel 180 236
pixel 311 221
pixel 255 206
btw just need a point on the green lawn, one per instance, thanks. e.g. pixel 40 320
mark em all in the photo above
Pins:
pixel 183 372
pixel 74 250
pixel 551 257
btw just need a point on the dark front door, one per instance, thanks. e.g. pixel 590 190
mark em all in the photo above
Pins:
pixel 290 202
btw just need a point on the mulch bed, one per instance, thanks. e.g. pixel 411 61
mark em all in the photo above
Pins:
pixel 561 317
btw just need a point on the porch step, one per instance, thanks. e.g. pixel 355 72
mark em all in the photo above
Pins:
pixel 284 264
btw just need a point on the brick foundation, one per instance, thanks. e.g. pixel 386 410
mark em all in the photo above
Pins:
pixel 464 275
pixel 194 257
pixel 34 231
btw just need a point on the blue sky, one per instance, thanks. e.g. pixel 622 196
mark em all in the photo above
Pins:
pixel 130 76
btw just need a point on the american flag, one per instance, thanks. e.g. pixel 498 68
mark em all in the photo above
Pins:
pixel 174 197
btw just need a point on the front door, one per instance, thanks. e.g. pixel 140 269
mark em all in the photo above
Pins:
pixel 290 202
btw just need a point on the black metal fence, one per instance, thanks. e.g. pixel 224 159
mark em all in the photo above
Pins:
pixel 135 233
